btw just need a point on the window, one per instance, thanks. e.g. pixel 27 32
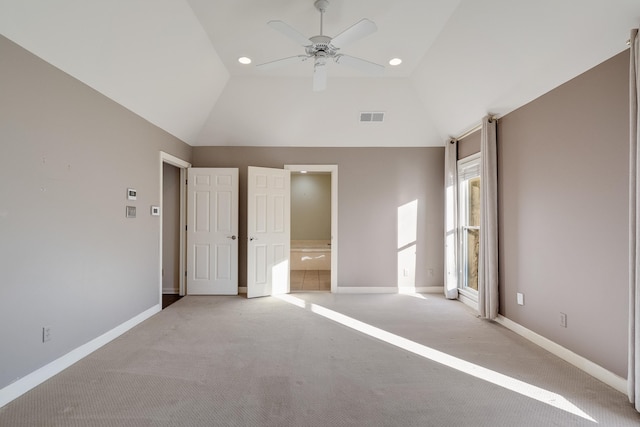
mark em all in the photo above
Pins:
pixel 469 223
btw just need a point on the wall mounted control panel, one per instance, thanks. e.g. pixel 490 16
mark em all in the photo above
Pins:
pixel 132 194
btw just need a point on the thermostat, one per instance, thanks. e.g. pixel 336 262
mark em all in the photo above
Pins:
pixel 132 194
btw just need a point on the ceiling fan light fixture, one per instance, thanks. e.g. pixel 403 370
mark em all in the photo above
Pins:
pixel 322 48
pixel 395 61
pixel 244 60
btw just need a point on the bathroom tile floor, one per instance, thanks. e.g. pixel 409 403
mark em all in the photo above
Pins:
pixel 310 280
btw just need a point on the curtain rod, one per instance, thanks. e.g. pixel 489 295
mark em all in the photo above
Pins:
pixel 473 129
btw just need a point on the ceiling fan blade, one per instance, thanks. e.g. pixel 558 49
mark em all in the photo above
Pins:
pixel 290 32
pixel 360 64
pixel 284 61
pixel 320 75
pixel 360 29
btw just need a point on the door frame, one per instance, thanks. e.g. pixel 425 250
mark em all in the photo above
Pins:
pixel 333 169
pixel 183 166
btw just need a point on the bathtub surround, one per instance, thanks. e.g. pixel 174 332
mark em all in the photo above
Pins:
pixel 310 255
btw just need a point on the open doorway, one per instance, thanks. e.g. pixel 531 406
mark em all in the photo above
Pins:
pixel 313 260
pixel 172 237
pixel 170 234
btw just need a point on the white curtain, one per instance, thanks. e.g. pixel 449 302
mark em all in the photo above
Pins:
pixel 451 219
pixel 633 375
pixel 488 262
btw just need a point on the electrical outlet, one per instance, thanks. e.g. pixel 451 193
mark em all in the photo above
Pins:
pixel 431 272
pixel 520 298
pixel 405 272
pixel 563 320
pixel 46 333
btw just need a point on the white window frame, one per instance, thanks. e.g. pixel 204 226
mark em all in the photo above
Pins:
pixel 465 294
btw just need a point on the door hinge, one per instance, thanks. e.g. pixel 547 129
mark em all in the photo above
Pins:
pixel 185 273
pixel 186 182
pixel 186 228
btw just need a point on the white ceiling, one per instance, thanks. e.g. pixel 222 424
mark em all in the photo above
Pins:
pixel 174 62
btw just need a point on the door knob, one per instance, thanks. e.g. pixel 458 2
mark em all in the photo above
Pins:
pixel 251 239
pixel 232 237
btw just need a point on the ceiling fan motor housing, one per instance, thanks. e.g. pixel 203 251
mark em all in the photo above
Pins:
pixel 321 44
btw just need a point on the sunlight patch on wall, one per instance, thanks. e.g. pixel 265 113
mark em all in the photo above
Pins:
pixel 407 237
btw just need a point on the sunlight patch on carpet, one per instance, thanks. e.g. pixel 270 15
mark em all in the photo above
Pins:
pixel 512 384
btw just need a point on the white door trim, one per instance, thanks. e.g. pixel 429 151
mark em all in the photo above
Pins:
pixel 182 165
pixel 333 169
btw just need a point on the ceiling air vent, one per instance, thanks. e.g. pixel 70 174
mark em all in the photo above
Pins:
pixel 372 117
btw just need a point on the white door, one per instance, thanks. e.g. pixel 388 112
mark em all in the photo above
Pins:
pixel 268 229
pixel 212 231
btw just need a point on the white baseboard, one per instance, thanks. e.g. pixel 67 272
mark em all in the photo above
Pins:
pixel 567 355
pixel 377 290
pixel 422 290
pixel 170 291
pixel 390 290
pixel 354 290
pixel 37 377
pixel 367 290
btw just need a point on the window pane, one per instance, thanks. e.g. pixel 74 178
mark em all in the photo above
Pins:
pixel 469 226
pixel 472 258
pixel 474 202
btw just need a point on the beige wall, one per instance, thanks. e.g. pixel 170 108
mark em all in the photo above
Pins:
pixel 372 184
pixel 311 206
pixel 69 258
pixel 563 164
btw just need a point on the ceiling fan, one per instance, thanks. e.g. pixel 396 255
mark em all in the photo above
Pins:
pixel 322 48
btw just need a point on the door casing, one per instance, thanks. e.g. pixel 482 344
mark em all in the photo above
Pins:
pixel 182 165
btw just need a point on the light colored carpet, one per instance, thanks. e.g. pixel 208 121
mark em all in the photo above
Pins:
pixel 310 361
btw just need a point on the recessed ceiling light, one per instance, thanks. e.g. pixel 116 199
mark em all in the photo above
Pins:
pixel 244 60
pixel 303 171
pixel 395 61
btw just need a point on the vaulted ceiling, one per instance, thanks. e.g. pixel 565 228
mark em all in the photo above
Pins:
pixel 175 62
